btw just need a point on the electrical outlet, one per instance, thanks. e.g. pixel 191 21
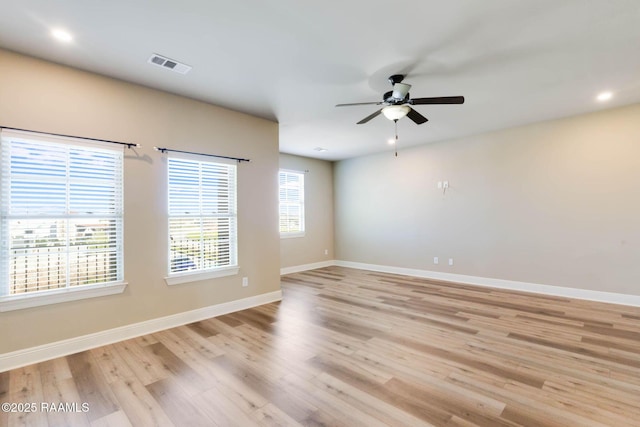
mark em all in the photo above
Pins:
pixel 435 259
pixel 245 282
pixel 450 261
pixel 440 185
pixel 445 184
pixel 326 251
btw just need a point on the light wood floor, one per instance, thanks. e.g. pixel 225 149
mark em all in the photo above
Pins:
pixel 354 348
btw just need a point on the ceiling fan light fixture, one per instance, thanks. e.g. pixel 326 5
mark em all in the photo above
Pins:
pixel 396 112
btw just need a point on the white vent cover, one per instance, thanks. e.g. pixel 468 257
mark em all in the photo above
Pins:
pixel 169 64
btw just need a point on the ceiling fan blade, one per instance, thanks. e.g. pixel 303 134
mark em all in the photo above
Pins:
pixel 369 117
pixel 400 90
pixel 438 100
pixel 416 117
pixel 358 103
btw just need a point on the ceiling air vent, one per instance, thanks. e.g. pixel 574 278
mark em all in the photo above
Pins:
pixel 169 64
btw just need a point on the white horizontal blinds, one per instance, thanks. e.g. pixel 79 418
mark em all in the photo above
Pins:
pixel 61 216
pixel 291 189
pixel 202 215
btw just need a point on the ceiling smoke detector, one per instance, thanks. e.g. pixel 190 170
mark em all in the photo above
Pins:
pixel 170 64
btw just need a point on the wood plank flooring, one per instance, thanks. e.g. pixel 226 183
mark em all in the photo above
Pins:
pixel 350 348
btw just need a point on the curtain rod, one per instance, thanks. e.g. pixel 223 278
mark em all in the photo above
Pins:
pixel 169 150
pixel 128 144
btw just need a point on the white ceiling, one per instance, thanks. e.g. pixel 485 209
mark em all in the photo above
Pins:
pixel 515 61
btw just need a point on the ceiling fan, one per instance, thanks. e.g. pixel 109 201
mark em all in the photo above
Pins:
pixel 397 103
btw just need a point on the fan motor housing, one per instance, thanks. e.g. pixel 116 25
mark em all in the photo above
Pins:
pixel 389 99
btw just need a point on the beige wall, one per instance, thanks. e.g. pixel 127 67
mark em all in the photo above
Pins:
pixel 554 203
pixel 42 96
pixel 318 186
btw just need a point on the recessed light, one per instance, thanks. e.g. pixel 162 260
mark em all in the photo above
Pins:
pixel 604 96
pixel 61 35
pixel 391 141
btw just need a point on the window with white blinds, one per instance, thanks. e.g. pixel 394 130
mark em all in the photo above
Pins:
pixel 61 214
pixel 291 190
pixel 202 215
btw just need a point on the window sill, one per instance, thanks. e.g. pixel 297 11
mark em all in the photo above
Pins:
pixel 291 235
pixel 195 276
pixel 36 299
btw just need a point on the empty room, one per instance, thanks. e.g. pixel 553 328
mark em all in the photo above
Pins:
pixel 357 213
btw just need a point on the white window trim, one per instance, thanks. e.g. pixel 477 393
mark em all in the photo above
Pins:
pixel 296 234
pixel 292 234
pixel 36 299
pixel 196 276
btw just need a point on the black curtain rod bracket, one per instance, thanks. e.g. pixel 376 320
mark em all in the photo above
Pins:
pixel 169 150
pixel 127 144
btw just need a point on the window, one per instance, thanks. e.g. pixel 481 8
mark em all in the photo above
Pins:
pixel 202 218
pixel 60 216
pixel 291 186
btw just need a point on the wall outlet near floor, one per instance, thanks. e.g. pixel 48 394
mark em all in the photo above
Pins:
pixel 435 260
pixel 326 251
pixel 245 282
pixel 450 261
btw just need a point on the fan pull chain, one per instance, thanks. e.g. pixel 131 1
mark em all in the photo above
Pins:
pixel 395 146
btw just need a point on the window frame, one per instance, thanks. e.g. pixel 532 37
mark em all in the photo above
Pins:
pixel 9 140
pixel 300 202
pixel 175 278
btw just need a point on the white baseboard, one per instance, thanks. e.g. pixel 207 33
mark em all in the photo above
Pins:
pixel 585 294
pixel 44 352
pixel 305 267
